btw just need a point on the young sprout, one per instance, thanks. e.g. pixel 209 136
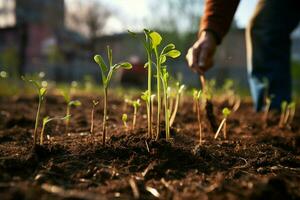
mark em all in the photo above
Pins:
pixel 289 114
pixel 136 104
pixel 268 102
pixel 41 94
pixel 95 103
pixel 106 74
pixel 124 119
pixel 46 120
pixel 178 96
pixel 162 75
pixel 284 105
pixel 226 112
pixel 195 92
pixel 148 47
pixel 292 108
pixel 69 103
pixel 197 97
pixel 146 97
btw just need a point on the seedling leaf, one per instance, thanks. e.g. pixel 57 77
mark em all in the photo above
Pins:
pixel 168 48
pixel 75 103
pixel 124 117
pixel 173 53
pixel 155 38
pixel 125 65
pixel 99 60
pixel 226 112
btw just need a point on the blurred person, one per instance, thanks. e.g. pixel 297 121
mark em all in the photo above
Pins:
pixel 267 40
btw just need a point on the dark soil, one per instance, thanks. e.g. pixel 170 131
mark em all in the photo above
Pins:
pixel 255 162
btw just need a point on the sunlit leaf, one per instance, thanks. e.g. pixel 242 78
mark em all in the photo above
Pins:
pixel 43 91
pixel 75 103
pixel 163 59
pixel 155 38
pixel 168 48
pixel 125 65
pixel 226 112
pixel 99 60
pixel 173 53
pixel 124 117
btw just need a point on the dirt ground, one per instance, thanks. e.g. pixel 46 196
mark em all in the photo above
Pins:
pixel 255 162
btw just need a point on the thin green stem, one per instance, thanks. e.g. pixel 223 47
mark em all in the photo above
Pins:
pixel 175 109
pixel 104 117
pixel 68 119
pixel 42 134
pixel 37 118
pixel 92 120
pixel 158 71
pixel 149 105
pixel 199 121
pixel 166 112
pixel 134 117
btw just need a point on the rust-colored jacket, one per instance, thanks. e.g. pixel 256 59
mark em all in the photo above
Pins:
pixel 218 16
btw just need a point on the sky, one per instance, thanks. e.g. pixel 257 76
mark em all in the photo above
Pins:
pixel 131 14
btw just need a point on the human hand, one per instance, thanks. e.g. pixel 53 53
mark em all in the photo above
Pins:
pixel 200 55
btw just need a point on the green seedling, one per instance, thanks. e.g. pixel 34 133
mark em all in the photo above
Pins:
pixel 106 74
pixel 151 44
pixel 149 104
pixel 41 94
pixel 69 103
pixel 197 98
pixel 95 103
pixel 148 47
pixel 124 119
pixel 292 108
pixel 284 106
pixel 136 104
pixel 162 76
pixel 180 89
pixel 46 120
pixel 226 112
pixel 165 76
pixel 289 114
pixel 268 102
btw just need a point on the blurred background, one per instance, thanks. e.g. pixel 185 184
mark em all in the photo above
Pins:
pixel 60 37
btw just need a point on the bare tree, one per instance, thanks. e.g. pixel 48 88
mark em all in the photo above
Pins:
pixel 176 15
pixel 88 18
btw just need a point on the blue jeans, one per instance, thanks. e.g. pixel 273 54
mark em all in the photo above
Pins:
pixel 268 50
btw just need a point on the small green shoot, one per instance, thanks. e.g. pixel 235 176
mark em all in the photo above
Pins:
pixel 197 98
pixel 148 47
pixel 41 94
pixel 180 89
pixel 226 112
pixel 124 119
pixel 106 74
pixel 284 106
pixel 162 76
pixel 95 103
pixel 69 103
pixel 287 117
pixel 149 105
pixel 46 120
pixel 292 108
pixel 136 104
pixel 268 102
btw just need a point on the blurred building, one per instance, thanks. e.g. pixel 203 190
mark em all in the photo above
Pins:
pixel 33 36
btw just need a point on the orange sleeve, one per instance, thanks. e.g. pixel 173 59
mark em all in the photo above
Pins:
pixel 218 15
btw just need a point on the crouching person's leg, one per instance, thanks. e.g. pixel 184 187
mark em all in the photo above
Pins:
pixel 268 51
